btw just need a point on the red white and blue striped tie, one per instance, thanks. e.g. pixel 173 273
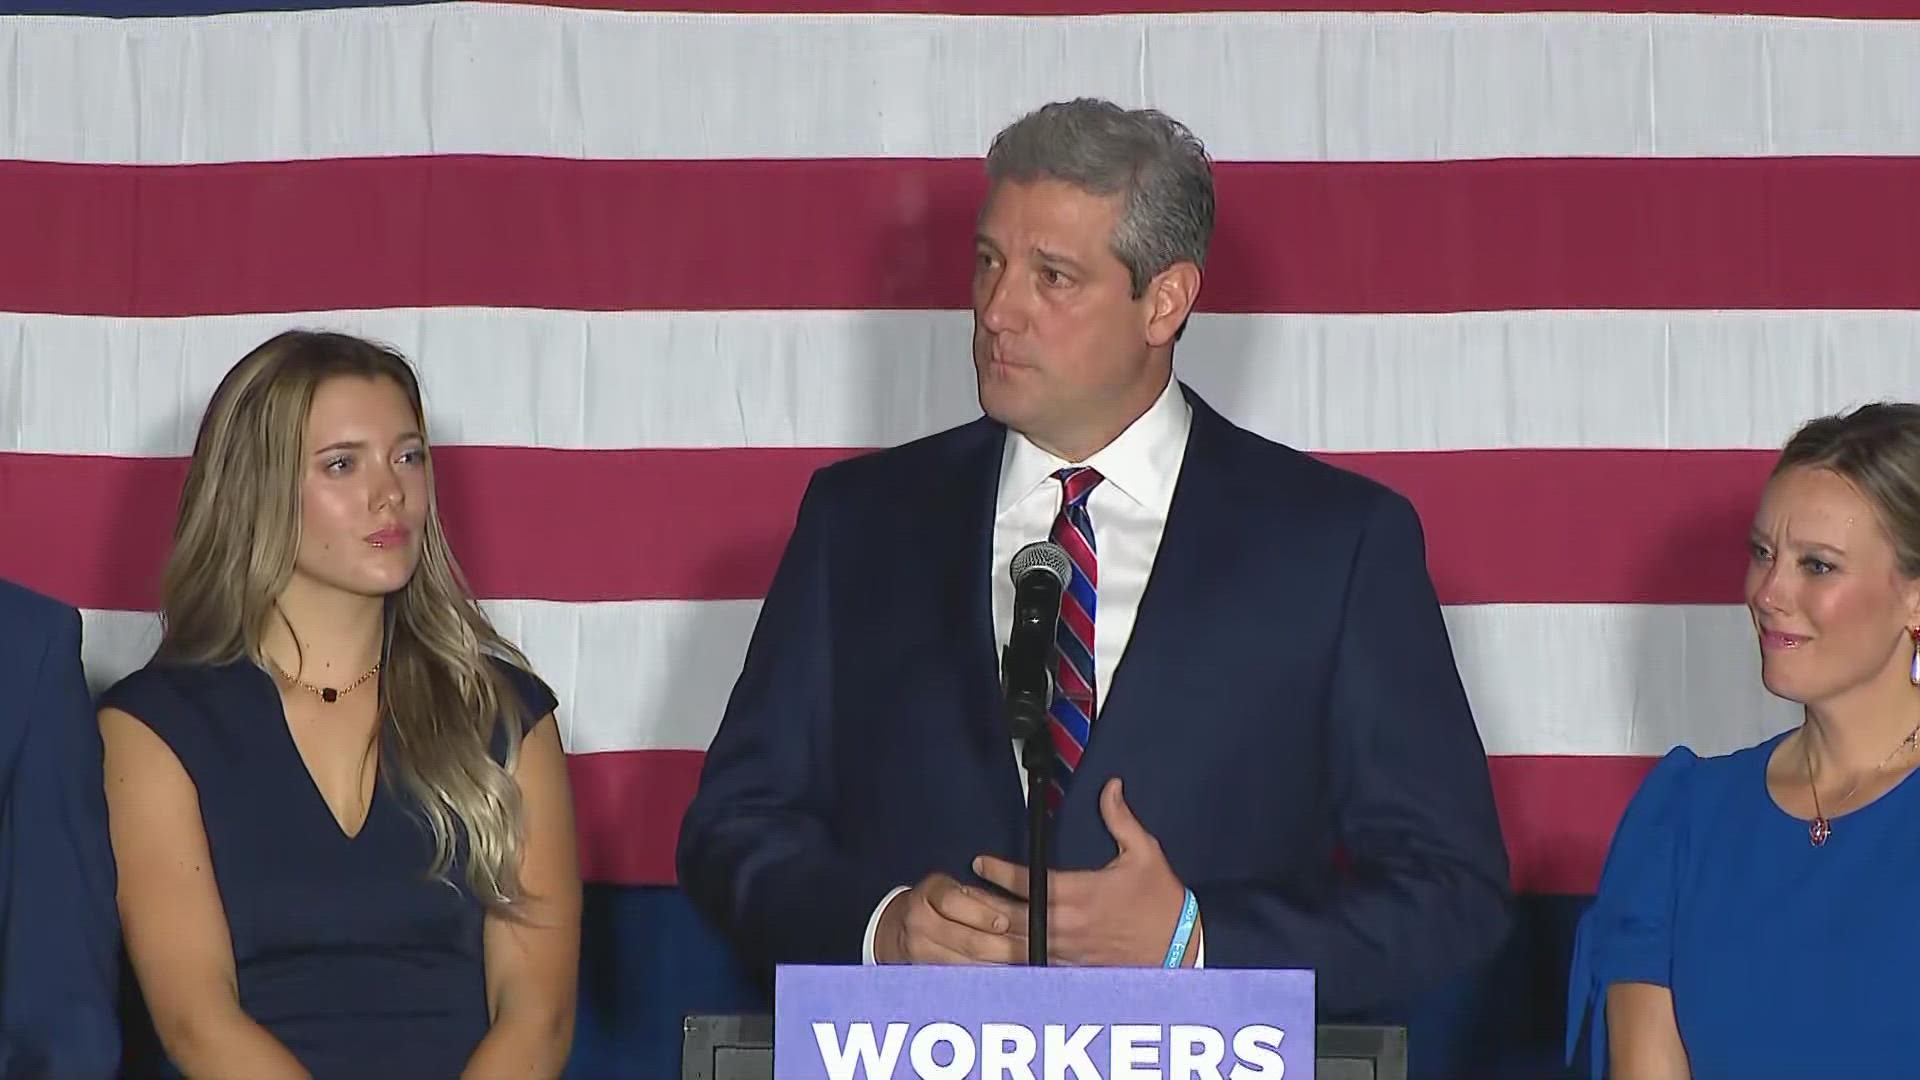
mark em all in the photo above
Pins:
pixel 1072 710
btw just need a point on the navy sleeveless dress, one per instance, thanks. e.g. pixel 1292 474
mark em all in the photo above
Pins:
pixel 347 951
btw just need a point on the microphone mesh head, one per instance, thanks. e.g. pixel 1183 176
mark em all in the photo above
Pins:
pixel 1042 555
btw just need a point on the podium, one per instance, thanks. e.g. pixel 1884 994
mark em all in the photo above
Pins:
pixel 1006 1023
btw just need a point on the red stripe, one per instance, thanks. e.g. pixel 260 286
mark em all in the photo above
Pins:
pixel 1835 9
pixel 547 524
pixel 1518 526
pixel 1072 686
pixel 1077 620
pixel 1581 526
pixel 1558 814
pixel 627 808
pixel 889 233
pixel 1078 550
pixel 1070 752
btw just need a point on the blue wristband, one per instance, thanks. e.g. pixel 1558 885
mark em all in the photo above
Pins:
pixel 1177 949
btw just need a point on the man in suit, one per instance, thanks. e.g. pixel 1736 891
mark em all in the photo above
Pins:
pixel 1257 703
pixel 59 930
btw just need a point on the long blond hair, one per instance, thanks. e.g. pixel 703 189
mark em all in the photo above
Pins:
pixel 234 548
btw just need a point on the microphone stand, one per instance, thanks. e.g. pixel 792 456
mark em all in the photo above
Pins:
pixel 1037 755
pixel 1041 572
pixel 1027 719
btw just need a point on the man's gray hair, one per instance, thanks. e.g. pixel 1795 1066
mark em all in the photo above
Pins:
pixel 1158 167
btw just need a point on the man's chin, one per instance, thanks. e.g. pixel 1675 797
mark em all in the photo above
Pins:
pixel 999 402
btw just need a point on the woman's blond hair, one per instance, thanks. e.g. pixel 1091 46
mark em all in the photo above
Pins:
pixel 1876 448
pixel 234 547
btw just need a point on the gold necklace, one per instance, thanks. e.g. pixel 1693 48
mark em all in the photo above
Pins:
pixel 326 693
pixel 1820 828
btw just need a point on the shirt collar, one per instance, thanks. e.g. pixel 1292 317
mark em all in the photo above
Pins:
pixel 1141 462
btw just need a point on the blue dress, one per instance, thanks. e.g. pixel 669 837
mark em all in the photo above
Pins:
pixel 346 950
pixel 1783 959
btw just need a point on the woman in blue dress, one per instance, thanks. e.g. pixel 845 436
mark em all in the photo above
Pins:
pixel 1759 913
pixel 336 795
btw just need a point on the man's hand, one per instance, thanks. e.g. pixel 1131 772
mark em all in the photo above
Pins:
pixel 1122 914
pixel 940 921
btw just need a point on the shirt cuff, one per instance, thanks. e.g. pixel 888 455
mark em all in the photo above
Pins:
pixel 873 924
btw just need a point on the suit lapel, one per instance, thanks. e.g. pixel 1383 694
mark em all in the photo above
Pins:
pixel 957 524
pixel 1167 634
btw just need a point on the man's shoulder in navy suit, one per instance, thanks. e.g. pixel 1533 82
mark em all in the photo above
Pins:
pixel 1275 477
pixel 931 456
pixel 1298 477
pixel 59 933
pixel 26 616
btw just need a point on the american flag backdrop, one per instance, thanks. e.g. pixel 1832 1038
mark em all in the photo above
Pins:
pixel 1564 277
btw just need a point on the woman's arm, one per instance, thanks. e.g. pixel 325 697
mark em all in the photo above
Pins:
pixel 172 920
pixel 533 965
pixel 1643 1038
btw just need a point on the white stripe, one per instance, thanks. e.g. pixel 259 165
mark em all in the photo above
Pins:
pixel 1614 678
pixel 500 79
pixel 1492 380
pixel 630 675
pixel 1571 679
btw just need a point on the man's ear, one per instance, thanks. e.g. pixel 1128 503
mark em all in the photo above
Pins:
pixel 1170 297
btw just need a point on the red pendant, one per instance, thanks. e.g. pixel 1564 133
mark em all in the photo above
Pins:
pixel 329 695
pixel 1819 831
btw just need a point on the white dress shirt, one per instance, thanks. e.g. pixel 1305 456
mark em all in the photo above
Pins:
pixel 1128 509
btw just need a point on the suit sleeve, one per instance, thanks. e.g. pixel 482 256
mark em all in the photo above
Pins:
pixel 61 932
pixel 1425 895
pixel 757 853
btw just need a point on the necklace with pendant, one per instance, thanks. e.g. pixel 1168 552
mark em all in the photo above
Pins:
pixel 327 694
pixel 1820 828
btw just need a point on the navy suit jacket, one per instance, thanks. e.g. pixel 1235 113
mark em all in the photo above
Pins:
pixel 1287 718
pixel 59 928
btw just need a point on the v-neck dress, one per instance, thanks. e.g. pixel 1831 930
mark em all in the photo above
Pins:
pixel 347 951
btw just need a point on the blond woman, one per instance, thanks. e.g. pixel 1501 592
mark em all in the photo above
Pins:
pixel 337 796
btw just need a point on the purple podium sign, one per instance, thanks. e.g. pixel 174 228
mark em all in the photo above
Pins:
pixel 1022 1023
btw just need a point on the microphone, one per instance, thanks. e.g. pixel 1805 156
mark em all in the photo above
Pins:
pixel 1040 573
